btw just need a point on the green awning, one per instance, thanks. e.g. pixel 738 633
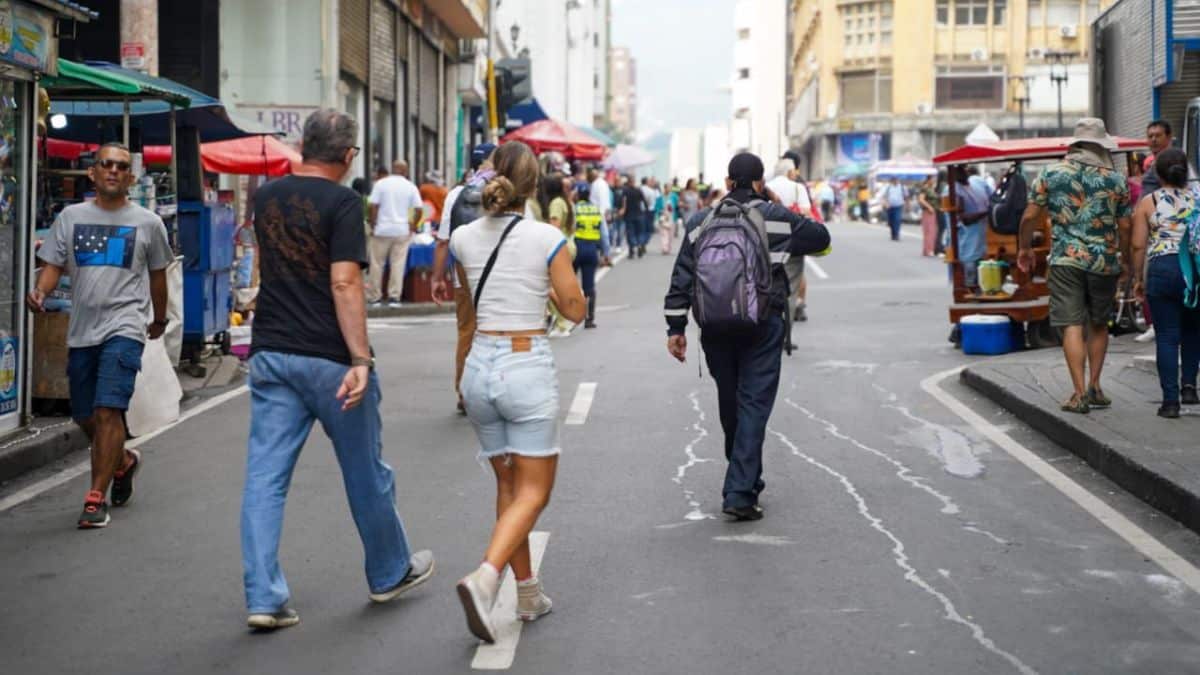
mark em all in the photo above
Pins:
pixel 77 81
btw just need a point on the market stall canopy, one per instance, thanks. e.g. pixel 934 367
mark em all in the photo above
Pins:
pixel 555 136
pixel 92 96
pixel 249 156
pixel 624 157
pixel 600 136
pixel 982 133
pixel 851 170
pixel 905 167
pixel 1023 149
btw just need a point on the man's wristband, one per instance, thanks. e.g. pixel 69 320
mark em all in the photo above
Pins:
pixel 367 361
pixel 160 322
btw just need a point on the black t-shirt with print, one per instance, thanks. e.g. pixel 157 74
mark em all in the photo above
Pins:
pixel 634 202
pixel 303 225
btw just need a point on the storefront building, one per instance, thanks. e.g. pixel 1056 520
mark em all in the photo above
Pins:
pixel 28 49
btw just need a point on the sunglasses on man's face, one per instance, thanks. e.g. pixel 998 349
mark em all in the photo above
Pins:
pixel 110 164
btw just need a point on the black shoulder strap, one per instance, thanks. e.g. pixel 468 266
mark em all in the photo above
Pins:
pixel 487 269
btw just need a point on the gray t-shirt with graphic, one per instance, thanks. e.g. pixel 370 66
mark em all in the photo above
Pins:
pixel 108 255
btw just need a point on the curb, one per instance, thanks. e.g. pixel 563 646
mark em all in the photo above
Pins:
pixel 1152 487
pixel 41 446
pixel 412 309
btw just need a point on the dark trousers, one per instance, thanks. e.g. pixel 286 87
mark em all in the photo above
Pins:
pixel 893 215
pixel 746 369
pixel 1176 328
pixel 587 258
pixel 943 223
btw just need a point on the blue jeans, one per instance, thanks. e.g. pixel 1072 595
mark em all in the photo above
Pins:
pixel 289 393
pixel 618 231
pixel 1176 328
pixel 893 217
pixel 746 370
pixel 647 228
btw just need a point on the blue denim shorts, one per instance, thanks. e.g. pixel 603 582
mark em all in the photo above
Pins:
pixel 511 396
pixel 102 376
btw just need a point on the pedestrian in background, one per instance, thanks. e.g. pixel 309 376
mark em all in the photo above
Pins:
pixel 826 197
pixel 894 200
pixel 555 204
pixel 395 213
pixel 689 200
pixel 633 210
pixel 116 254
pixel 745 364
pixel 1158 137
pixel 515 265
pixel 1088 204
pixel 927 198
pixel 794 197
pixel 456 213
pixel 591 248
pixel 974 203
pixel 433 192
pixel 1159 223
pixel 601 196
pixel 311 361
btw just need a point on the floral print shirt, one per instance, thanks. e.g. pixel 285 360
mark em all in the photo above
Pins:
pixel 1174 209
pixel 1085 203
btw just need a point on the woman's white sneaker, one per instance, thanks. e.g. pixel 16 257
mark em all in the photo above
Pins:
pixel 532 603
pixel 478 593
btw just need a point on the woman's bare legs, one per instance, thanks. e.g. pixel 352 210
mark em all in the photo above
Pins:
pixel 522 492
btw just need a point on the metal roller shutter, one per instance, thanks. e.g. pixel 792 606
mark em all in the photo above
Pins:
pixel 353 38
pixel 1173 98
pixel 383 50
pixel 427 96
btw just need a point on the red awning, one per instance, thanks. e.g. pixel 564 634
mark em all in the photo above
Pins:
pixel 1022 149
pixel 556 136
pixel 251 156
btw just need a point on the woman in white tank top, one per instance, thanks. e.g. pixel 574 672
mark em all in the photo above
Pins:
pixel 509 384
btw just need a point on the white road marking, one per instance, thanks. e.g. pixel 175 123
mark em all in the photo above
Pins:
pixel 1124 528
pixel 500 655
pixel 811 264
pixel 690 450
pixel 603 271
pixel 582 404
pixel 31 491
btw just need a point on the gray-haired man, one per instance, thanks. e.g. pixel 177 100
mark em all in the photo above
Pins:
pixel 310 360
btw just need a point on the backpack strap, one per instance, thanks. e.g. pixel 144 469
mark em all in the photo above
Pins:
pixel 487 269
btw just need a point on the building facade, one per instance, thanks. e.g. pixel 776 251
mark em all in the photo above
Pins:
pixel 622 105
pixel 758 79
pixel 873 79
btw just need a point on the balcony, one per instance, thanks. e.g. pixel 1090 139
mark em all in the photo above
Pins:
pixel 464 18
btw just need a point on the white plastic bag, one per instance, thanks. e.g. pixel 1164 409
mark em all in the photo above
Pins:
pixel 156 392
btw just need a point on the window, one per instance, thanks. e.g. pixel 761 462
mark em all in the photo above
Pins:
pixel 970 12
pixel 970 88
pixel 1062 12
pixel 866 92
pixel 743 33
pixel 1035 13
pixel 999 12
pixel 943 12
pixel 743 73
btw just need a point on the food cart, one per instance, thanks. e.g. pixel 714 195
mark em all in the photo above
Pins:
pixel 1025 298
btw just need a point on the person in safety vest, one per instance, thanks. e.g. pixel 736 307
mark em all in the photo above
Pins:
pixel 591 247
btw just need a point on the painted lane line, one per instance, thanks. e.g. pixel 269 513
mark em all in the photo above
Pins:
pixel 1124 528
pixel 603 271
pixel 578 413
pixel 500 655
pixel 900 557
pixel 31 491
pixel 811 264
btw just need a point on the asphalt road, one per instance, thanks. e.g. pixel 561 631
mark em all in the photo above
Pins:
pixel 898 539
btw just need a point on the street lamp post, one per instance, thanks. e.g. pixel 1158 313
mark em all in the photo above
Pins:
pixel 1022 100
pixel 1059 62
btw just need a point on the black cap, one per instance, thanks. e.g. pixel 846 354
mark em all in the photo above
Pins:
pixel 745 168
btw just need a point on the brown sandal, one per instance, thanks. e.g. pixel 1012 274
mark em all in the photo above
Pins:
pixel 1077 404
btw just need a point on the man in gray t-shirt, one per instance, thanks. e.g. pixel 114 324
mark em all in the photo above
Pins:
pixel 117 255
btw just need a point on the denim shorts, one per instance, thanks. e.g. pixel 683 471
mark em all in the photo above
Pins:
pixel 102 376
pixel 510 391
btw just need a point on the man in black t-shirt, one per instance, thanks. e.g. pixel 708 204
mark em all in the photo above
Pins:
pixel 310 361
pixel 634 209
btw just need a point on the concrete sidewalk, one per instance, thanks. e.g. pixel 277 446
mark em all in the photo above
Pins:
pixel 1155 459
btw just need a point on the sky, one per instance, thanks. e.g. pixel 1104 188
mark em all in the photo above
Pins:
pixel 684 54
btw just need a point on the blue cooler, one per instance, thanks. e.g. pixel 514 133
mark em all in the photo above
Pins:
pixel 986 334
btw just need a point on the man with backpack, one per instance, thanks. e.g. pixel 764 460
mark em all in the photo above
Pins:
pixel 730 274
pixel 462 206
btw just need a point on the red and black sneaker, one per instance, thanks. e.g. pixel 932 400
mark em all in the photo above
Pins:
pixel 95 511
pixel 122 485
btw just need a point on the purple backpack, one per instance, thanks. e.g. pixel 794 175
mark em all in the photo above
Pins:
pixel 732 281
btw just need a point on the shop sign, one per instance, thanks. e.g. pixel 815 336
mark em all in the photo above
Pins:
pixel 133 55
pixel 27 37
pixel 287 120
pixel 8 376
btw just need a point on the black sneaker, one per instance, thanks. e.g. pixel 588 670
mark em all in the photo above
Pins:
pixel 1188 396
pixel 122 485
pixel 801 314
pixel 1169 411
pixel 95 512
pixel 743 513
pixel 590 323
pixel 420 569
pixel 282 618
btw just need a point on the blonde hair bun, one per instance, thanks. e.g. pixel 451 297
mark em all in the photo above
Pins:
pixel 498 194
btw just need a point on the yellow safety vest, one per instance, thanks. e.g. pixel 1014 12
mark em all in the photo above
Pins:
pixel 587 221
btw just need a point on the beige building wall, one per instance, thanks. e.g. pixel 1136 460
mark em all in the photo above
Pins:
pixel 622 104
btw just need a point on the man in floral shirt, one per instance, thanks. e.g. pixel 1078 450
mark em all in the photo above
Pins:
pixel 1089 209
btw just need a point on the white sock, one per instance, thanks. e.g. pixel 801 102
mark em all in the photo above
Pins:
pixel 490 576
pixel 531 581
